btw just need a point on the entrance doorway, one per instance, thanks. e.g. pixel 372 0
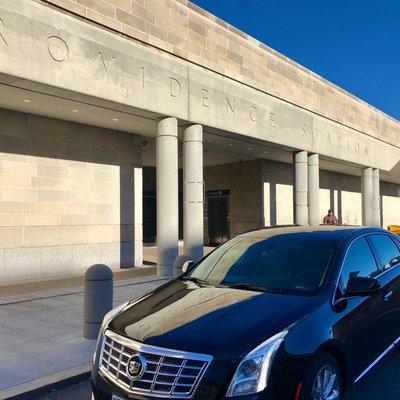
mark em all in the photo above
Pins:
pixel 218 228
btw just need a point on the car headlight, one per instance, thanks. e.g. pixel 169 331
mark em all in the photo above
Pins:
pixel 251 375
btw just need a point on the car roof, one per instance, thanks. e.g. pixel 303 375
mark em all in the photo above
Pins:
pixel 337 231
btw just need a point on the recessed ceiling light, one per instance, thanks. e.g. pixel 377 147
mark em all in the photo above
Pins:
pixel 231 144
pixel 249 148
pixel 115 119
pixel 266 151
pixel 209 140
pixel 75 110
pixel 27 100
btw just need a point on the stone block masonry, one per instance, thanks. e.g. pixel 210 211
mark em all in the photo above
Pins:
pixel 187 31
pixel 61 197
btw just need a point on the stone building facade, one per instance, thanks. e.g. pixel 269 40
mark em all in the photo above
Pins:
pixel 123 121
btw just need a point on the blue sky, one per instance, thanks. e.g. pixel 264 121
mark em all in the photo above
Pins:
pixel 353 43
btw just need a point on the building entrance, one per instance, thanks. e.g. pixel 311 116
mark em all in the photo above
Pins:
pixel 218 227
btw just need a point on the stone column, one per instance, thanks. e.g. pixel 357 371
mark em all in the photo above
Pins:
pixel 167 195
pixel 193 192
pixel 313 190
pixel 300 188
pixel 138 215
pixel 367 197
pixel 376 202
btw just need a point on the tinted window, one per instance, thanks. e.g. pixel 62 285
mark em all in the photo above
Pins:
pixel 388 253
pixel 287 262
pixel 359 261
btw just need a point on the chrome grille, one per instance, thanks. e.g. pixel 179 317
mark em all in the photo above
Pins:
pixel 168 373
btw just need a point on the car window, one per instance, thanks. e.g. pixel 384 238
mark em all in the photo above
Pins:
pixel 388 253
pixel 284 263
pixel 359 261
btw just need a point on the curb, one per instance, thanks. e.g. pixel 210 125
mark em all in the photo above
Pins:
pixel 32 389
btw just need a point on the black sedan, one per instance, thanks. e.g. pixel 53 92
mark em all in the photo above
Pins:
pixel 287 313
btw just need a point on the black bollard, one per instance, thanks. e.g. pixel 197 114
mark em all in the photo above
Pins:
pixel 98 298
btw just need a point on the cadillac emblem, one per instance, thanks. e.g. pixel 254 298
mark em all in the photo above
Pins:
pixel 136 367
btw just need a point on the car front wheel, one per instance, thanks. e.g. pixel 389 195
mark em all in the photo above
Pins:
pixel 324 381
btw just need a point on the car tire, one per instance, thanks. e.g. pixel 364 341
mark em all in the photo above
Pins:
pixel 325 366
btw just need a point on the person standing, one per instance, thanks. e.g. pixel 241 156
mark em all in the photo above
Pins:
pixel 330 218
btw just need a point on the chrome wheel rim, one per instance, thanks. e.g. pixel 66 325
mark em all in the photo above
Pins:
pixel 326 385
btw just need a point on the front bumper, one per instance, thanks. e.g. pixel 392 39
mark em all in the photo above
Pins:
pixel 213 385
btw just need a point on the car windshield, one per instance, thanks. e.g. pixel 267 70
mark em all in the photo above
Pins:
pixel 287 263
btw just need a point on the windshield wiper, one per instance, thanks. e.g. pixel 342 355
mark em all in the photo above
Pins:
pixel 255 288
pixel 193 279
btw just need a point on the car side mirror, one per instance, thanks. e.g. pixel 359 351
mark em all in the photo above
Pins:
pixel 362 286
pixel 187 265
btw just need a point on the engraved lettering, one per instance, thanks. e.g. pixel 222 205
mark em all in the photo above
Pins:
pixel 304 130
pixel 107 65
pixel 253 113
pixel 366 150
pixel 357 147
pixel 272 120
pixel 175 87
pixel 339 139
pixel 328 138
pixel 205 98
pixel 57 48
pixel 316 134
pixel 230 105
pixel 2 28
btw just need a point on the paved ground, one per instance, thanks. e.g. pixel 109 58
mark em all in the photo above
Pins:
pixel 41 325
pixel 381 384
pixel 41 333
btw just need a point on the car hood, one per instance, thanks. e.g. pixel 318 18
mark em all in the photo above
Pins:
pixel 223 322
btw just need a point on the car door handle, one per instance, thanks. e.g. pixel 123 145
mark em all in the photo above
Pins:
pixel 387 296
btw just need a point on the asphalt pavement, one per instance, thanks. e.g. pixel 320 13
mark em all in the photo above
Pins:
pixel 381 384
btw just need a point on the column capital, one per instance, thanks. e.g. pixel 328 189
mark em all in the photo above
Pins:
pixel 367 171
pixel 300 156
pixel 313 159
pixel 168 127
pixel 193 133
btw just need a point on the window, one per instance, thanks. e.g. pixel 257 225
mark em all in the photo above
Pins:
pixel 359 261
pixel 292 263
pixel 388 253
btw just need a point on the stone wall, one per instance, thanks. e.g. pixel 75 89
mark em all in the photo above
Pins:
pixel 244 183
pixel 66 197
pixel 261 194
pixel 185 30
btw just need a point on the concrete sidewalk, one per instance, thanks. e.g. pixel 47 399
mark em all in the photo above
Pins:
pixel 41 334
